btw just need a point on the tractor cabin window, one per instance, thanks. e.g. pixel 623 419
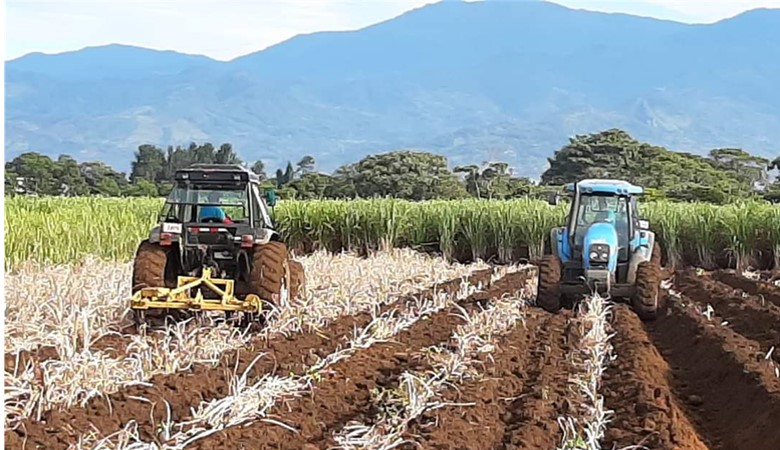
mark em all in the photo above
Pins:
pixel 208 203
pixel 599 208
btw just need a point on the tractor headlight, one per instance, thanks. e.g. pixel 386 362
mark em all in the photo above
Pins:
pixel 599 253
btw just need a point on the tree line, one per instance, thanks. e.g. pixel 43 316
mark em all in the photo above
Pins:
pixel 722 176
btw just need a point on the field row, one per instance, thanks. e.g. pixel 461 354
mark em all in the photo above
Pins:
pixel 402 350
pixel 746 234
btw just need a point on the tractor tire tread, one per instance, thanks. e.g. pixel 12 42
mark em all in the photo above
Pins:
pixel 548 288
pixel 648 291
pixel 149 266
pixel 270 271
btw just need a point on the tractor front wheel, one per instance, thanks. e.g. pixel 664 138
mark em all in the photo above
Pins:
pixel 647 299
pixel 548 292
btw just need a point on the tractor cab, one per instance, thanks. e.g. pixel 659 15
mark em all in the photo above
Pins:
pixel 214 213
pixel 603 243
pixel 602 209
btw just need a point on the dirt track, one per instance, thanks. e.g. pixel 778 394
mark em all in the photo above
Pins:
pixel 681 382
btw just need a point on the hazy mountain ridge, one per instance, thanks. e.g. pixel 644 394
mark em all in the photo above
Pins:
pixel 471 80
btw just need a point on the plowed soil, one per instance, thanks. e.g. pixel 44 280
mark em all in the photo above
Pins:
pixel 186 390
pixel 345 394
pixel 690 380
pixel 762 288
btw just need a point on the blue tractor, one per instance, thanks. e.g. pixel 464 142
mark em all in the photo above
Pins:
pixel 605 247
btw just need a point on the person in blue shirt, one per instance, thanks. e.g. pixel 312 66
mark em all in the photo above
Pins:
pixel 212 211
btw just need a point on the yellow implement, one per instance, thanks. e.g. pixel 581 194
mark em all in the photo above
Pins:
pixel 181 296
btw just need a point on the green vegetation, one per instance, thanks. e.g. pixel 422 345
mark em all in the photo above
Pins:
pixel 724 176
pixel 58 230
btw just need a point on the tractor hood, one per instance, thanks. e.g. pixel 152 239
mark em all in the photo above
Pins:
pixel 600 247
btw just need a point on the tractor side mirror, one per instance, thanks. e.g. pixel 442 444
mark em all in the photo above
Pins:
pixel 644 224
pixel 270 198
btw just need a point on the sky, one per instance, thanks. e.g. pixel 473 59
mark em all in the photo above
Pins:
pixel 226 29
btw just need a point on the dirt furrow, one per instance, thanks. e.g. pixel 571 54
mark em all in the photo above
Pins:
pixel 763 288
pixel 113 345
pixel 185 390
pixel 746 315
pixel 637 389
pixel 516 402
pixel 345 394
pixel 725 385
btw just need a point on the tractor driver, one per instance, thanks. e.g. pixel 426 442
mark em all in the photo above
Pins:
pixel 211 211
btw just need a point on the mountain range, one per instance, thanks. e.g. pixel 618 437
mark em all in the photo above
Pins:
pixel 474 81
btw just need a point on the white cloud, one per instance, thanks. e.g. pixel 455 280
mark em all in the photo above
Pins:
pixel 228 28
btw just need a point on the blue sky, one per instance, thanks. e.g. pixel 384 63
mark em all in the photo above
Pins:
pixel 225 29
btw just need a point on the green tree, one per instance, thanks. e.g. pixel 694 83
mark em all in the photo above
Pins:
pixel 68 174
pixel 311 185
pixel 285 177
pixel 404 174
pixel 259 169
pixel 38 173
pixel 305 165
pixel 680 176
pixel 226 155
pixel 149 164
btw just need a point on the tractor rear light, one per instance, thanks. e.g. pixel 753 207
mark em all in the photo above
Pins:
pixel 166 239
pixel 247 240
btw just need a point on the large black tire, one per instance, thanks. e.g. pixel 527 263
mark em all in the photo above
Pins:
pixel 548 291
pixel 648 298
pixel 270 271
pixel 151 269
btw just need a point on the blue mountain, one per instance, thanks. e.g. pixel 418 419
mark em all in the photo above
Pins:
pixel 472 80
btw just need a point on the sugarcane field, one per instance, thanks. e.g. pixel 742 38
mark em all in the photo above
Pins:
pixel 391 225
pixel 387 343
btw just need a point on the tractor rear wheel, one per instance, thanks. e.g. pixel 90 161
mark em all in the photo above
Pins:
pixel 548 289
pixel 647 299
pixel 152 269
pixel 270 271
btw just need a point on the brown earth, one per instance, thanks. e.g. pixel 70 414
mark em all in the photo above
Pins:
pixel 516 403
pixel 762 288
pixel 746 314
pixel 720 379
pixel 636 388
pixel 113 345
pixel 344 395
pixel 184 390
pixel 681 382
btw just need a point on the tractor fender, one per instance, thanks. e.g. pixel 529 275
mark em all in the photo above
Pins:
pixel 640 255
pixel 154 234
